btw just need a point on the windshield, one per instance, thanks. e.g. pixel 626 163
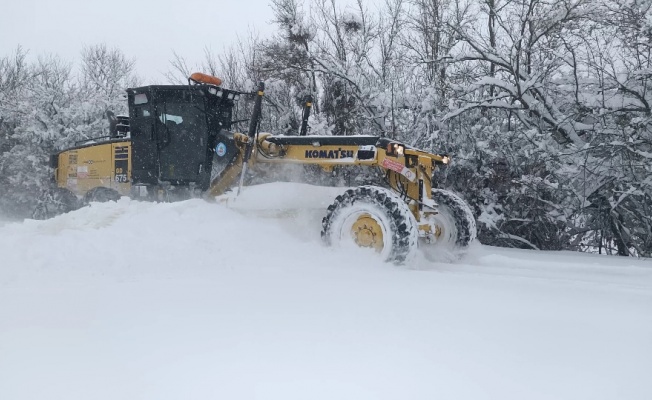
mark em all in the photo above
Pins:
pixel 182 116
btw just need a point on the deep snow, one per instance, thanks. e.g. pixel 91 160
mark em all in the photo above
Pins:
pixel 240 300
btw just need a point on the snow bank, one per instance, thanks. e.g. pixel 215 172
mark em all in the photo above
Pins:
pixel 189 300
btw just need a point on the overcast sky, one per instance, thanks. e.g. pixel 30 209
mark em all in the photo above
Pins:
pixel 145 29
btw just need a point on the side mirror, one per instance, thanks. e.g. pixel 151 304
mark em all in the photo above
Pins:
pixel 113 123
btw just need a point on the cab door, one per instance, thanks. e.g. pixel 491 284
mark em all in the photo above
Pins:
pixel 144 147
pixel 182 124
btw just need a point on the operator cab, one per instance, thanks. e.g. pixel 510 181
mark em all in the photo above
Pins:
pixel 175 130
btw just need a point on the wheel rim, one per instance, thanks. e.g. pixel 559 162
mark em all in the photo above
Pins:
pixel 445 230
pixel 367 232
pixel 364 229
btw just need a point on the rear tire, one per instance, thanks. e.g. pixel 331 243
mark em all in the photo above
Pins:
pixel 54 202
pixel 375 218
pixel 101 194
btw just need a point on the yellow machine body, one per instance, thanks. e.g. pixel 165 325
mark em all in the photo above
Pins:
pixel 408 171
pixel 85 167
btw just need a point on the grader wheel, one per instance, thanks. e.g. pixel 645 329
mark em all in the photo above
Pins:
pixel 453 227
pixel 372 217
pixel 55 201
pixel 101 194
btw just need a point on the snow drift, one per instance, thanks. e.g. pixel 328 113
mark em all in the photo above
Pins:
pixel 195 300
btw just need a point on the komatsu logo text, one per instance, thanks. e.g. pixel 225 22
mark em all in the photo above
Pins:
pixel 333 154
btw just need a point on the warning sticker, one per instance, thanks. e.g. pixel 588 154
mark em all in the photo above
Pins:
pixel 400 168
pixel 82 171
pixel 393 165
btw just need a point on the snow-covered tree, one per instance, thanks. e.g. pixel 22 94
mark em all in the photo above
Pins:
pixel 45 107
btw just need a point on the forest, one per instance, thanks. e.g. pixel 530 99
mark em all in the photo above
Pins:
pixel 543 105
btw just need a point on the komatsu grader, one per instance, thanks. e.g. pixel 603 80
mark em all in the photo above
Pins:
pixel 178 139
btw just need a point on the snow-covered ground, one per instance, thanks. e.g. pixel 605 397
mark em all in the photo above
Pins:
pixel 4 219
pixel 194 300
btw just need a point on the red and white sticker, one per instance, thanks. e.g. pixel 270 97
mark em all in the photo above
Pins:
pixel 82 171
pixel 400 168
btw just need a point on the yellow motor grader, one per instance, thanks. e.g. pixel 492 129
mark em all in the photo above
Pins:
pixel 178 139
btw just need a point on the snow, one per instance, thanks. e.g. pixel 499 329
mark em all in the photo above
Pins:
pixel 193 300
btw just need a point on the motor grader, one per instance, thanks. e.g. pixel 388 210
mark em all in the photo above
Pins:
pixel 178 141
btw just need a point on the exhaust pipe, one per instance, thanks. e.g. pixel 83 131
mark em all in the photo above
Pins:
pixel 253 130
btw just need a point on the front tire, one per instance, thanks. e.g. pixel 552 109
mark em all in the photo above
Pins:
pixel 372 217
pixel 454 225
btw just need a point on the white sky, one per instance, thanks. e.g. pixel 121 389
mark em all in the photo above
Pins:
pixel 144 29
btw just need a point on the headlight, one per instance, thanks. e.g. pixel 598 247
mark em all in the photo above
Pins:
pixel 395 149
pixel 445 159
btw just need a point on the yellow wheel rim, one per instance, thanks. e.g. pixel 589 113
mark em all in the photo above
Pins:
pixel 367 232
pixel 438 231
